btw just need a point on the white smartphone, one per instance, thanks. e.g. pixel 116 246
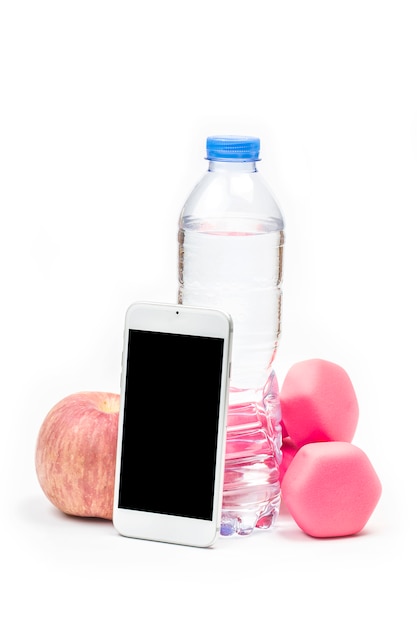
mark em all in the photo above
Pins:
pixel 172 423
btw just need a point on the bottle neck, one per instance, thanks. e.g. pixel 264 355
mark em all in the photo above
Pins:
pixel 232 166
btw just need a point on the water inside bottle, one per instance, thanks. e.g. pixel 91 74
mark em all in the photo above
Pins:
pixel 240 273
pixel 251 493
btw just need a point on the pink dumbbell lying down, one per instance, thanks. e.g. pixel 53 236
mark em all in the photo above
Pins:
pixel 328 484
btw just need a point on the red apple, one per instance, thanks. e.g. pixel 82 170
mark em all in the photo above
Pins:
pixel 76 453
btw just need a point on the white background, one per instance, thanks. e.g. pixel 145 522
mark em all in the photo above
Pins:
pixel 104 111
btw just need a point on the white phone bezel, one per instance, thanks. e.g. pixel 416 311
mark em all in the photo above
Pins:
pixel 179 319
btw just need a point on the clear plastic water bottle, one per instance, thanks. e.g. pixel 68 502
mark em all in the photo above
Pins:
pixel 231 237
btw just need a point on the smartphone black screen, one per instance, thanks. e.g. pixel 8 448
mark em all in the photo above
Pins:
pixel 171 420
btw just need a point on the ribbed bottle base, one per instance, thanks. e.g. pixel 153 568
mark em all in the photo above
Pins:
pixel 244 521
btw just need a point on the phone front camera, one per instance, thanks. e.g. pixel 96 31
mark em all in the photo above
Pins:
pixel 177 312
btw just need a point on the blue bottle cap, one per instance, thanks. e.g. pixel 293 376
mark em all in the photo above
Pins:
pixel 232 148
